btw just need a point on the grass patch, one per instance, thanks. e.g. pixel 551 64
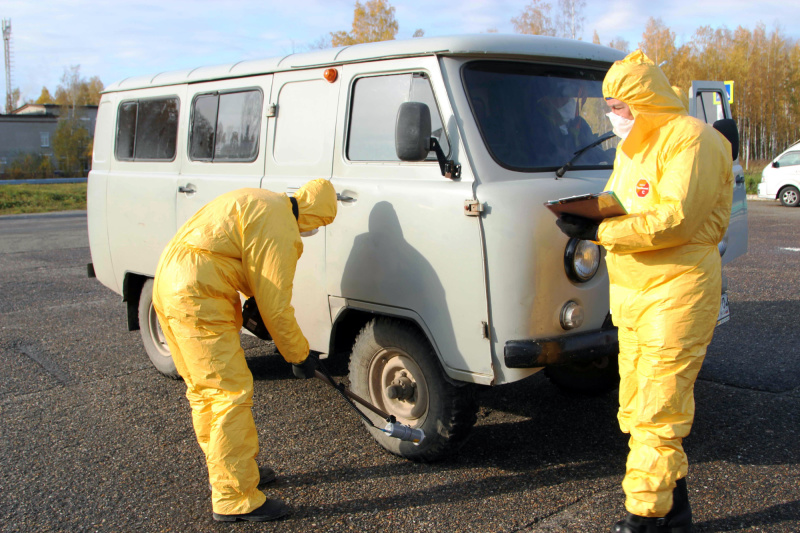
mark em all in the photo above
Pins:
pixel 752 176
pixel 29 198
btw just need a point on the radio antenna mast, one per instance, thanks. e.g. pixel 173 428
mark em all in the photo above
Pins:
pixel 7 48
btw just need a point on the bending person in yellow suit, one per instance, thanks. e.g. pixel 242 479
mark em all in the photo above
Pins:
pixel 673 173
pixel 246 241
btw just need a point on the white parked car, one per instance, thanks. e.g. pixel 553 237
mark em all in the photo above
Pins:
pixel 443 270
pixel 780 180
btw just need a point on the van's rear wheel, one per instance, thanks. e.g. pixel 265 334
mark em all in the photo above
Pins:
pixel 590 378
pixel 394 367
pixel 155 344
pixel 790 197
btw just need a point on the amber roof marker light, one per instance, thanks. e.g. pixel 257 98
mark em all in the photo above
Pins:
pixel 330 74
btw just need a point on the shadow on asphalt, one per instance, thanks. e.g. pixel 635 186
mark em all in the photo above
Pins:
pixel 771 516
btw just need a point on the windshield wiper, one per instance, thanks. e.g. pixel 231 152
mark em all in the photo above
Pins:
pixel 561 171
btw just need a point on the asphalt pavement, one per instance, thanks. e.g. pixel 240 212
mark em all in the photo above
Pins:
pixel 93 439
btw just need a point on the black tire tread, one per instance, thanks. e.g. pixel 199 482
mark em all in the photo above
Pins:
pixel 145 301
pixel 460 399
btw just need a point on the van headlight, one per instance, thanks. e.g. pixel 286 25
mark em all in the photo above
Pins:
pixel 581 260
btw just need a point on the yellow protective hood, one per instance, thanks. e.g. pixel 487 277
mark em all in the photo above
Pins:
pixel 638 82
pixel 316 203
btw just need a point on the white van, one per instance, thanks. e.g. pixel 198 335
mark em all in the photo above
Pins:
pixel 443 271
pixel 780 180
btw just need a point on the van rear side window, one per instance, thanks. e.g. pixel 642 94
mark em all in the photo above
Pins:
pixel 225 126
pixel 147 130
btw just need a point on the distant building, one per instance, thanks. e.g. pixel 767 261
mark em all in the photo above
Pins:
pixel 30 130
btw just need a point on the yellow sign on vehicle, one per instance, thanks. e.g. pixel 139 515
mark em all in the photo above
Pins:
pixel 728 91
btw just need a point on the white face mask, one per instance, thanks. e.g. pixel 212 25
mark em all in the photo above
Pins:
pixel 619 125
pixel 309 233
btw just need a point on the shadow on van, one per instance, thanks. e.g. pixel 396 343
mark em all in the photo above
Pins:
pixel 383 268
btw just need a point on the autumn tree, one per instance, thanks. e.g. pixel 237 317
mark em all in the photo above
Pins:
pixel 620 44
pixel 71 146
pixel 45 97
pixel 14 100
pixel 373 21
pixel 596 38
pixel 570 20
pixel 658 42
pixel 535 19
pixel 77 91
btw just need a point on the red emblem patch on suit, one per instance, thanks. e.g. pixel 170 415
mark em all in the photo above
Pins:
pixel 642 188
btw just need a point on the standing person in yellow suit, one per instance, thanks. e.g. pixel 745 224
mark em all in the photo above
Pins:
pixel 246 241
pixel 673 173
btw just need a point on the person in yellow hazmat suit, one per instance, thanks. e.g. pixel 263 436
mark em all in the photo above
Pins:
pixel 246 241
pixel 673 173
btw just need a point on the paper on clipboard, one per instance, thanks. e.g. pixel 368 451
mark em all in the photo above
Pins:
pixel 594 206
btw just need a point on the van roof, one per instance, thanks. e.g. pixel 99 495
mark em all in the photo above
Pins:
pixel 493 45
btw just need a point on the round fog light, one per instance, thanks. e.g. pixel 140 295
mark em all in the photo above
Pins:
pixel 571 315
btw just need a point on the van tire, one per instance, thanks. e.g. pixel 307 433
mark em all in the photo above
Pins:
pixel 152 337
pixel 446 412
pixel 789 196
pixel 592 378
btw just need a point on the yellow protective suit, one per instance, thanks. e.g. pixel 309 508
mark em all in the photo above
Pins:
pixel 674 175
pixel 246 241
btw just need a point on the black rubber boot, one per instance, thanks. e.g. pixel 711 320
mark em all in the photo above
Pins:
pixel 266 475
pixel 271 510
pixel 677 520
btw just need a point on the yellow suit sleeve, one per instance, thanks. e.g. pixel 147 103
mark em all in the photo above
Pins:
pixel 270 257
pixel 686 200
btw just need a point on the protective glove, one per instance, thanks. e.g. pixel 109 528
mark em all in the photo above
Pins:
pixel 577 227
pixel 306 369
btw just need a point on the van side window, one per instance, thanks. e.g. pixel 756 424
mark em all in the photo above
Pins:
pixel 147 130
pixel 374 113
pixel 225 126
pixel 789 159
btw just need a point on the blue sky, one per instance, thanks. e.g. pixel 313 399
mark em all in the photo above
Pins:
pixel 121 38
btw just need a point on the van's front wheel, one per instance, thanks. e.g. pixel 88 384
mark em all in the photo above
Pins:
pixel 394 367
pixel 152 337
pixel 790 196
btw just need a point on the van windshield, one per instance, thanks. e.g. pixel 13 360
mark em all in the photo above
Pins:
pixel 534 117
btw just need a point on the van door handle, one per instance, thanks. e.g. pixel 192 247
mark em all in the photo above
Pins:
pixel 344 198
pixel 188 188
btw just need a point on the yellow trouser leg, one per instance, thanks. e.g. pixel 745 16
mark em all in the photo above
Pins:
pixel 219 387
pixel 628 383
pixel 663 416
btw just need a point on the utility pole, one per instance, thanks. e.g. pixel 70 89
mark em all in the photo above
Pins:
pixel 7 48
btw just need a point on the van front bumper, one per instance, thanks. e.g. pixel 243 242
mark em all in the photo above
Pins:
pixel 564 350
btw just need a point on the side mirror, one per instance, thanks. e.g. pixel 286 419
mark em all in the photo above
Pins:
pixel 412 132
pixel 727 127
pixel 775 164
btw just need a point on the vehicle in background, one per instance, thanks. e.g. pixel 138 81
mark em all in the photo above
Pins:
pixel 780 180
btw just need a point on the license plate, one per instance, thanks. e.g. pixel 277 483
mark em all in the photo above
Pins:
pixel 724 311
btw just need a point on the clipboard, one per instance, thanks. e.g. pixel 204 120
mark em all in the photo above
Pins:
pixel 594 206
